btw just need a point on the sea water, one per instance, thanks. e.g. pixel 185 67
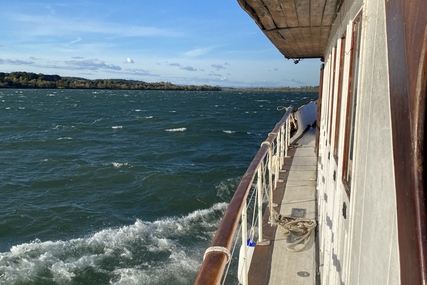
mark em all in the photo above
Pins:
pixel 121 187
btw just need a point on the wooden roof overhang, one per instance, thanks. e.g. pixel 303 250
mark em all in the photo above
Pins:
pixel 298 28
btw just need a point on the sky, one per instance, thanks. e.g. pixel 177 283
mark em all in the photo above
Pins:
pixel 183 42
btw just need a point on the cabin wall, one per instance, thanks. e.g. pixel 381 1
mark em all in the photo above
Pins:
pixel 357 224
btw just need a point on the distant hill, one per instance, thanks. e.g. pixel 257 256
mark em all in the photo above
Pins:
pixel 34 80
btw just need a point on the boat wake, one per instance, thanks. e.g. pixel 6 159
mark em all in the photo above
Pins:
pixel 145 252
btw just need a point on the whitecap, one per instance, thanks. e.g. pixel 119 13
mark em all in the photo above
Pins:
pixel 66 260
pixel 119 164
pixel 117 127
pixel 149 117
pixel 65 138
pixel 176 130
pixel 229 132
pixel 137 110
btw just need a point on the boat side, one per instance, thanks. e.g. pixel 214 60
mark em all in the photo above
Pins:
pixel 356 186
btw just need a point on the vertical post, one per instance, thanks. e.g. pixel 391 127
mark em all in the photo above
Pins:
pixel 270 181
pixel 286 137
pixel 259 188
pixel 279 141
pixel 244 243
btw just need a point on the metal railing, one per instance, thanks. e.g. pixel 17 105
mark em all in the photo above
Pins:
pixel 264 168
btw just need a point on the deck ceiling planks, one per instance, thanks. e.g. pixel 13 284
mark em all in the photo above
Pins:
pixel 298 28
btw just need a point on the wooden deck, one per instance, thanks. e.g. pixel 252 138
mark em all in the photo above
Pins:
pixel 296 195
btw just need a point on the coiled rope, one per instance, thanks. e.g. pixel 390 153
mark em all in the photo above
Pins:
pixel 302 228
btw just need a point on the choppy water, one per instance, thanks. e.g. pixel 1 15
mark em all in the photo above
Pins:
pixel 121 187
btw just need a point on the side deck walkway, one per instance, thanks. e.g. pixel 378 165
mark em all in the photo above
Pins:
pixel 275 264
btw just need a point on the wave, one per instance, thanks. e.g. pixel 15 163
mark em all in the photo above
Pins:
pixel 119 164
pixel 141 253
pixel 117 127
pixel 176 130
pixel 229 132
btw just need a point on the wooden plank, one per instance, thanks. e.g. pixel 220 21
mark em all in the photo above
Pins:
pixel 290 43
pixel 316 12
pixel 279 42
pixel 329 13
pixel 259 271
pixel 263 14
pixel 299 41
pixel 307 39
pixel 303 12
pixel 290 12
pixel 276 12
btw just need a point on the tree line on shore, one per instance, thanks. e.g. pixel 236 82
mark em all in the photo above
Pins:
pixel 34 80
pixel 20 79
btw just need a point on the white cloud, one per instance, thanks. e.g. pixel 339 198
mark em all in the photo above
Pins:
pixel 197 52
pixel 129 60
pixel 218 66
pixel 139 72
pixel 76 40
pixel 90 64
pixel 188 68
pixel 56 26
pixel 15 61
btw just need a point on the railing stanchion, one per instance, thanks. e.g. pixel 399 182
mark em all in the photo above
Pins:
pixel 244 243
pixel 285 145
pixel 259 188
pixel 269 158
pixel 270 182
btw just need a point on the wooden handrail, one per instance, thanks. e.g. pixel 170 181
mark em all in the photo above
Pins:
pixel 214 263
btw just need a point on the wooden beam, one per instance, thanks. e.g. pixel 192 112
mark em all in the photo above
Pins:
pixel 290 11
pixel 303 12
pixel 317 8
pixel 277 13
pixel 263 14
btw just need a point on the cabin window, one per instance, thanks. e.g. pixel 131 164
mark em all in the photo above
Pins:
pixel 352 103
pixel 339 99
pixel 332 89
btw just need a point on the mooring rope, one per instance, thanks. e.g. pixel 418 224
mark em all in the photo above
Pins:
pixel 302 228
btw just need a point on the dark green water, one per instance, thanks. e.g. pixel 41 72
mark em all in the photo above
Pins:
pixel 121 187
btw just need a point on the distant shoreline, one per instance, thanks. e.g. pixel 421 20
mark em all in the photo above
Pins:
pixel 30 80
pixel 46 81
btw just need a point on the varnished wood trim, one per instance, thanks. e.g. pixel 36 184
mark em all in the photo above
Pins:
pixel 406 34
pixel 214 264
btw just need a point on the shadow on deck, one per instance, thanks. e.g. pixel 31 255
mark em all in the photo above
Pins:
pixel 296 195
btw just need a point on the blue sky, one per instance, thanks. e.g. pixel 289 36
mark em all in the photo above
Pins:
pixel 183 42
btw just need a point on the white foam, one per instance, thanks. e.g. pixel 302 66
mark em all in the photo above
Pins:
pixel 176 130
pixel 63 261
pixel 117 127
pixel 119 164
pixel 229 132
